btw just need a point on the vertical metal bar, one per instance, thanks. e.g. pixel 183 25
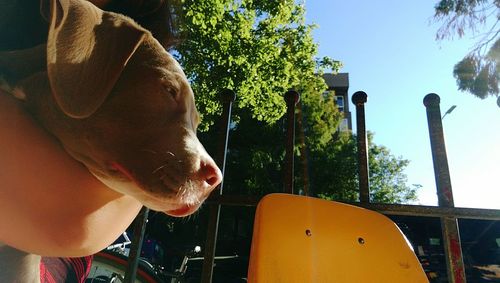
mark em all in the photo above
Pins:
pixel 291 98
pixel 227 97
pixel 359 99
pixel 136 245
pixel 449 225
pixel 304 156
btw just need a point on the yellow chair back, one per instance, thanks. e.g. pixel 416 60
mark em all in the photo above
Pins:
pixel 304 239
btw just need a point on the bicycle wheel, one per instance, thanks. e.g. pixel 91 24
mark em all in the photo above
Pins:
pixel 110 267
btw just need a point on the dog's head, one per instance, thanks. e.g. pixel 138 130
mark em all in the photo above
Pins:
pixel 120 104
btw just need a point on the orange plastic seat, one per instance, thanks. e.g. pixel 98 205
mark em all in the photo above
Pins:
pixel 303 239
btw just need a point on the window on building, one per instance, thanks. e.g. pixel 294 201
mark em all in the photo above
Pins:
pixel 344 125
pixel 339 101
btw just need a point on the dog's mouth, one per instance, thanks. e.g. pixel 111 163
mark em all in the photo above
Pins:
pixel 180 201
pixel 117 168
pixel 174 183
pixel 183 211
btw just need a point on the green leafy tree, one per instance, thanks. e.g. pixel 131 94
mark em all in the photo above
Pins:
pixel 260 49
pixel 255 166
pixel 334 169
pixel 335 173
pixel 256 150
pixel 388 182
pixel 478 71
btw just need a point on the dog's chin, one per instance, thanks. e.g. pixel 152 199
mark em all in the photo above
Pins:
pixel 183 211
pixel 171 203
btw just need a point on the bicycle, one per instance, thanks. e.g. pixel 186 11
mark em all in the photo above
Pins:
pixel 109 266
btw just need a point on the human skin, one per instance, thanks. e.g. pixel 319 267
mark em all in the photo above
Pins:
pixel 49 203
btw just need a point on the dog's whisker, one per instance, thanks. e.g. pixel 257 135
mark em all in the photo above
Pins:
pixel 180 191
pixel 184 190
pixel 193 216
pixel 149 151
pixel 159 168
pixel 197 201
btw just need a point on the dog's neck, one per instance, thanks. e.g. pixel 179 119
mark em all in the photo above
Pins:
pixel 18 266
pixel 19 64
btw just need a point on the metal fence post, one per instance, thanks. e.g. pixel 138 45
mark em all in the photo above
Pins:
pixel 227 97
pixel 359 99
pixel 449 225
pixel 136 246
pixel 292 98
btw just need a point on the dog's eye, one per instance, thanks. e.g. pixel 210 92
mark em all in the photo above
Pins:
pixel 170 90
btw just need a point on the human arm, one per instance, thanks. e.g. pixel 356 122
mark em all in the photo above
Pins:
pixel 49 203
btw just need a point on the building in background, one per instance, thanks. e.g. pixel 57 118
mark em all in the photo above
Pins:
pixel 339 83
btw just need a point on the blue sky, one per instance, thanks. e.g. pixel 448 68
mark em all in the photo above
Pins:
pixel 389 50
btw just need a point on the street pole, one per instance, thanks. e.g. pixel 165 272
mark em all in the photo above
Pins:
pixel 449 225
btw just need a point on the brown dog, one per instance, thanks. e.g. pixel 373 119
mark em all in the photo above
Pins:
pixel 118 103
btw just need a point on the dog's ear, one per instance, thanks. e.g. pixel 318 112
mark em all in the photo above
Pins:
pixel 87 50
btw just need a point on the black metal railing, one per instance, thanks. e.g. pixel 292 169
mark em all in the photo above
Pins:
pixel 446 210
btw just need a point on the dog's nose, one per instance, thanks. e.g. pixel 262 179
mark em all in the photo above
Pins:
pixel 210 173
